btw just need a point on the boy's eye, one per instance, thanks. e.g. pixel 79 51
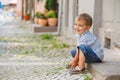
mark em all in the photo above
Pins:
pixel 79 25
pixel 75 24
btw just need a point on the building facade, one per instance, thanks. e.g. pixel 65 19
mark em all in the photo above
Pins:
pixel 105 14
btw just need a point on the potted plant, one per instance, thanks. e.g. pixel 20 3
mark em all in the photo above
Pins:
pixel 36 17
pixel 43 19
pixel 26 17
pixel 51 5
pixel 52 18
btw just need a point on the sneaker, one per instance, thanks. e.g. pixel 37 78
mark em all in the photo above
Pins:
pixel 75 71
pixel 68 66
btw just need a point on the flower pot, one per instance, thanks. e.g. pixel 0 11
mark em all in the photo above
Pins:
pixel 26 18
pixel 43 22
pixel 52 22
pixel 36 20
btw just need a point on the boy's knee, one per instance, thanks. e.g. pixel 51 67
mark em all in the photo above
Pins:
pixel 73 52
pixel 82 48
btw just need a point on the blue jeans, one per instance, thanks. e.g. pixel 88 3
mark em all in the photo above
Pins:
pixel 90 56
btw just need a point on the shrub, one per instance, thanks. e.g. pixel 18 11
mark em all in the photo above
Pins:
pixel 36 14
pixel 51 14
pixel 51 5
pixel 40 15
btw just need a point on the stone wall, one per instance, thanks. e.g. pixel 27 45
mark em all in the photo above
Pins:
pixel 110 22
pixel 39 6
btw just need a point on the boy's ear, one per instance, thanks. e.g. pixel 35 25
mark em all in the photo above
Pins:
pixel 88 27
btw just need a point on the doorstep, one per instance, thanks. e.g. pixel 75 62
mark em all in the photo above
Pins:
pixel 109 69
pixel 37 28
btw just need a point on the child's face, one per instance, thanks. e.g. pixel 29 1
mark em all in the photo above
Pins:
pixel 80 26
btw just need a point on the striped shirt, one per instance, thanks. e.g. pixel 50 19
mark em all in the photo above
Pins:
pixel 89 39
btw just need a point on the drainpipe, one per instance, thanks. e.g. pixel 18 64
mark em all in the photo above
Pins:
pixel 60 17
pixel 22 9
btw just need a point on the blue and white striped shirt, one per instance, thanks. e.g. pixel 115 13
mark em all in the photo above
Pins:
pixel 89 39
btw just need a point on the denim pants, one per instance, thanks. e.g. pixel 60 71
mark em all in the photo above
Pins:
pixel 90 56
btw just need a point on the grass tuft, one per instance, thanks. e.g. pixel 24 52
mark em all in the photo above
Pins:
pixel 46 37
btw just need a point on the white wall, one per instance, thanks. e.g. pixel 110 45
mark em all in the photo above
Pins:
pixel 40 6
pixel 4 2
pixel 111 21
pixel 86 6
pixel 19 5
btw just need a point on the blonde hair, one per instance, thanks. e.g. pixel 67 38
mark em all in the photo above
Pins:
pixel 86 17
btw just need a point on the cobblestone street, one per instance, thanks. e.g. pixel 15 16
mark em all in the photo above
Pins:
pixel 21 59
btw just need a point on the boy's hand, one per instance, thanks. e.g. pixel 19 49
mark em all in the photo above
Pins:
pixel 73 64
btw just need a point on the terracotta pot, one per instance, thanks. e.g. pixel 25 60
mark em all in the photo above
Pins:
pixel 43 22
pixel 36 20
pixel 26 18
pixel 52 21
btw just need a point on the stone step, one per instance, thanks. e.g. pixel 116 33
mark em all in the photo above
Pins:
pixel 109 69
pixel 37 28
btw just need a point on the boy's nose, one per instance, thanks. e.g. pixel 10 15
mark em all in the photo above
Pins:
pixel 75 27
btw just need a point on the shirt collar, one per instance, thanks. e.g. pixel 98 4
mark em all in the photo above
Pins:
pixel 84 32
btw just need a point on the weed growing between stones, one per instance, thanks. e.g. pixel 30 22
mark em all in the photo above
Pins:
pixel 87 77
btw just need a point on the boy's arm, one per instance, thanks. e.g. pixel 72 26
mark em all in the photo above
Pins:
pixel 87 41
pixel 91 42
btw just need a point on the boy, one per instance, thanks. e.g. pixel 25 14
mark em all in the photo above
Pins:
pixel 88 48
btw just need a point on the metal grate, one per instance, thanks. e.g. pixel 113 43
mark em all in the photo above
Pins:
pixel 107 43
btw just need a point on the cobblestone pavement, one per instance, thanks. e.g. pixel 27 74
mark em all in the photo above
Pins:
pixel 47 66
